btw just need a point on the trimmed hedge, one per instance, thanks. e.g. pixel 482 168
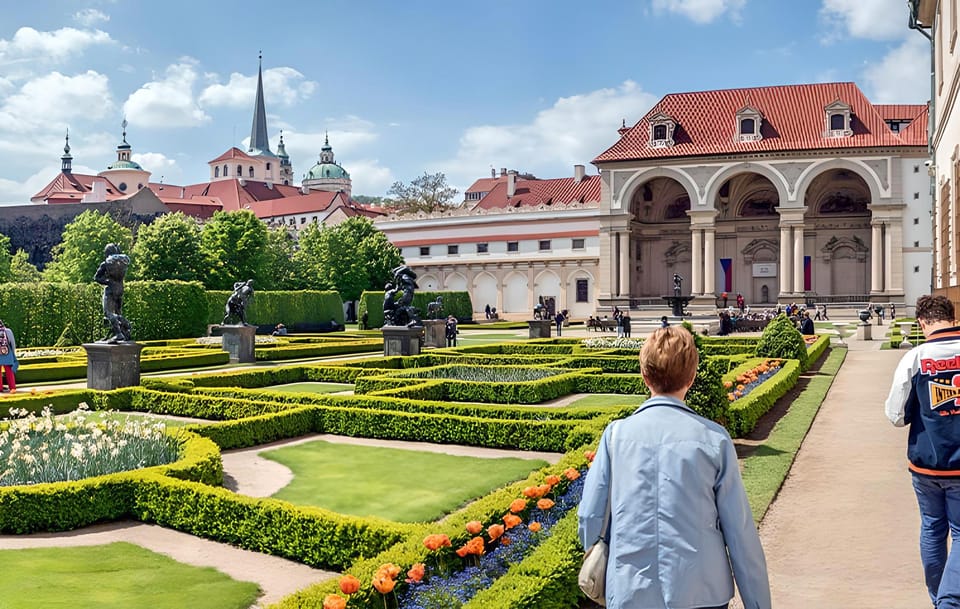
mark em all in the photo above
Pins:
pixel 457 304
pixel 274 307
pixel 745 412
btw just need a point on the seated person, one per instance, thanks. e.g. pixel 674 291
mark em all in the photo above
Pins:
pixel 280 330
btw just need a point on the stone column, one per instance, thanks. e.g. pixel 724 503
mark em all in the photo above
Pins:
pixel 876 259
pixel 696 262
pixel 785 265
pixel 625 264
pixel 894 245
pixel 606 278
pixel 798 259
pixel 709 263
pixel 888 258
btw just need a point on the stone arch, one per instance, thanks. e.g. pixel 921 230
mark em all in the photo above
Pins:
pixel 678 252
pixel 485 290
pixel 580 309
pixel 749 195
pixel 760 250
pixel 547 284
pixel 429 283
pixel 515 292
pixel 639 178
pixel 815 170
pixel 660 200
pixel 837 192
pixel 775 177
pixel 455 282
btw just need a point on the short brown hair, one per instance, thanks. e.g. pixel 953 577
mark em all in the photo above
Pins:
pixel 668 359
pixel 935 308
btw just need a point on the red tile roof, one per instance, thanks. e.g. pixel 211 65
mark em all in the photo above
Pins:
pixel 899 112
pixel 915 134
pixel 793 119
pixel 316 201
pixel 70 188
pixel 233 153
pixel 542 192
pixel 485 184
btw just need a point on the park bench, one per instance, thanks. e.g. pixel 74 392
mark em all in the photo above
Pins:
pixel 602 324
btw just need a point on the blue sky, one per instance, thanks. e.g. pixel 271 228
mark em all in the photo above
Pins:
pixel 407 87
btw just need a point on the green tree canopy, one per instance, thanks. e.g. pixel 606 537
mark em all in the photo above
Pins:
pixel 427 193
pixel 350 257
pixel 21 270
pixel 169 248
pixel 76 258
pixel 234 243
pixel 280 271
pixel 5 259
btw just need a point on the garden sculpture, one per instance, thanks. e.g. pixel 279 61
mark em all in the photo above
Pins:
pixel 236 307
pixel 398 309
pixel 677 284
pixel 110 274
pixel 434 308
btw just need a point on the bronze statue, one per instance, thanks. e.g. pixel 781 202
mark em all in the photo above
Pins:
pixel 398 309
pixel 110 274
pixel 236 307
pixel 677 284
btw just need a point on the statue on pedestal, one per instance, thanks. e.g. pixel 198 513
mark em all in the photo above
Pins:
pixel 236 307
pixel 110 274
pixel 398 309
pixel 677 284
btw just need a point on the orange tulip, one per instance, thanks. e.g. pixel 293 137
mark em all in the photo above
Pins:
pixel 389 570
pixel 349 584
pixel 571 474
pixel 590 454
pixel 463 550
pixel 476 545
pixel 333 601
pixel 530 491
pixel 436 541
pixel 731 397
pixel 384 585
pixel 728 384
pixel 534 526
pixel 511 520
pixel 553 480
pixel 474 527
pixel 545 504
pixel 416 573
pixel 543 489
pixel 518 505
pixel 495 531
pixel 505 541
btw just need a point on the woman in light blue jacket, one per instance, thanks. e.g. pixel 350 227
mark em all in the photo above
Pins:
pixel 679 517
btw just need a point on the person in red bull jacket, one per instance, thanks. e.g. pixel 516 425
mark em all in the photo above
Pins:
pixel 926 396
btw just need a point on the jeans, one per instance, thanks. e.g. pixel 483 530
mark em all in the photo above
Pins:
pixel 939 501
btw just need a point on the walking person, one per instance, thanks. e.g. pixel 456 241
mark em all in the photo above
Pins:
pixel 825 312
pixel 450 331
pixel 740 302
pixel 921 396
pixel 619 318
pixel 8 357
pixel 559 320
pixel 625 318
pixel 666 482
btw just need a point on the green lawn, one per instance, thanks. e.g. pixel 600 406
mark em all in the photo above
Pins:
pixel 596 400
pixel 97 415
pixel 114 576
pixel 400 485
pixel 310 387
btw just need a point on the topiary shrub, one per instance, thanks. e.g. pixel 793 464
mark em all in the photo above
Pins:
pixel 706 396
pixel 782 339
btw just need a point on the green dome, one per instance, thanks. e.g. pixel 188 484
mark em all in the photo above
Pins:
pixel 323 171
pixel 125 165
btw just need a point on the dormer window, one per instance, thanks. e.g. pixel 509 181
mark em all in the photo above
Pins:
pixel 661 130
pixel 749 121
pixel 838 117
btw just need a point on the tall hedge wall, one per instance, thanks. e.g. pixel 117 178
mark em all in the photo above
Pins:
pixel 457 304
pixel 288 308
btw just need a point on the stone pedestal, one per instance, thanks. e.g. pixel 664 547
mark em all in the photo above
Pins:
pixel 111 366
pixel 539 328
pixel 906 327
pixel 434 333
pixel 401 340
pixel 678 305
pixel 239 342
pixel 865 332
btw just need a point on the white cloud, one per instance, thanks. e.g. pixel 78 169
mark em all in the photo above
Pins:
pixel 701 11
pixel 570 132
pixel 153 161
pixel 370 177
pixel 871 19
pixel 90 16
pixel 281 86
pixel 53 100
pixel 168 101
pixel 30 44
pixel 902 76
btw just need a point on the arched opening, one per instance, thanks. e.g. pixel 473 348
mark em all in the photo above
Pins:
pixel 659 243
pixel 515 293
pixel 216 171
pixel 485 289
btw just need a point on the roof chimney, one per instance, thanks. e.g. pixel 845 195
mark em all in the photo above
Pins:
pixel 578 173
pixel 503 171
pixel 493 172
pixel 511 183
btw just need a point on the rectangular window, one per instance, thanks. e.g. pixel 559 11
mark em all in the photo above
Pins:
pixel 453 250
pixel 578 244
pixel 582 295
pixel 313 219
pixel 425 251
pixel 916 221
pixel 483 248
pixel 545 245
pixel 916 169
pixel 916 196
pixel 513 246
pixel 916 269
pixel 303 219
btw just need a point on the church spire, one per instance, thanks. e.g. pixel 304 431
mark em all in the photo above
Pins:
pixel 66 160
pixel 259 141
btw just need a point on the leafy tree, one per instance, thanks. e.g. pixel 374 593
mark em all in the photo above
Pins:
pixel 350 257
pixel 280 271
pixel 368 200
pixel 169 248
pixel 5 258
pixel 234 243
pixel 782 339
pixel 76 258
pixel 427 193
pixel 21 270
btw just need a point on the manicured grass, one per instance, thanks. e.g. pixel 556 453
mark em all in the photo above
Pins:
pixel 598 400
pixel 310 387
pixel 114 576
pixel 765 470
pixel 399 485
pixel 127 416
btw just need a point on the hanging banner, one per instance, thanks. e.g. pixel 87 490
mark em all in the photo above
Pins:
pixel 727 265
